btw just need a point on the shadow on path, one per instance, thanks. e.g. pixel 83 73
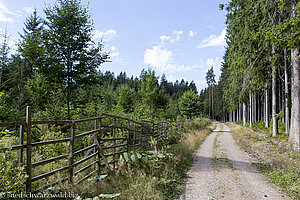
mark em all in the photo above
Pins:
pixel 235 165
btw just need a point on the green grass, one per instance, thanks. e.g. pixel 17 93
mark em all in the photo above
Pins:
pixel 287 179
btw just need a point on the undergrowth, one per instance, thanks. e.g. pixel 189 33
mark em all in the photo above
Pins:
pixel 277 158
pixel 151 175
pixel 260 126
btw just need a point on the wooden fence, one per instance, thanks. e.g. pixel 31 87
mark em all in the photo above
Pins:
pixel 93 149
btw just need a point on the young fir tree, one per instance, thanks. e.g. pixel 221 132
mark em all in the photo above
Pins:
pixel 73 57
pixel 31 46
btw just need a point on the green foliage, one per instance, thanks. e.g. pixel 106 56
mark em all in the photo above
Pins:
pixel 210 77
pixel 74 57
pixel 172 137
pixel 189 104
pixel 38 90
pixel 196 124
pixel 149 87
pixel 126 98
pixel 31 47
pixel 52 150
pixel 130 157
pixel 1 93
pixel 98 178
pixel 12 176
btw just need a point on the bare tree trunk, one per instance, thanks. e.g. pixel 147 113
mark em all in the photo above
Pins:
pixel 209 102
pixel 274 98
pixel 263 108
pixel 240 111
pixel 234 118
pixel 295 93
pixel 286 89
pixel 254 107
pixel 267 107
pixel 250 110
pixel 212 101
pixel 244 114
pixel 237 113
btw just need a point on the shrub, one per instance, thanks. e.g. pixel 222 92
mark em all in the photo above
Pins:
pixel 12 176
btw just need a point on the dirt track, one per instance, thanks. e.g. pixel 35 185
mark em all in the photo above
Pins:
pixel 222 171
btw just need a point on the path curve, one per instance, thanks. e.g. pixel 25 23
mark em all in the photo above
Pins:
pixel 221 170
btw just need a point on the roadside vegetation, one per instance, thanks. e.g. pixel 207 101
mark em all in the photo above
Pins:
pixel 276 157
pixel 157 174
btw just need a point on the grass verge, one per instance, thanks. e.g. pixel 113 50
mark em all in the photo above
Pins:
pixel 277 158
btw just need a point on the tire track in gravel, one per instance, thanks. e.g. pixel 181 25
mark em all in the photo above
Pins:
pixel 222 171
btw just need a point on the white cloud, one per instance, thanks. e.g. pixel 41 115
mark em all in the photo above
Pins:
pixel 201 84
pixel 4 12
pixel 192 33
pixel 210 27
pixel 162 59
pixel 172 78
pixel 175 37
pixel 216 62
pixel 29 10
pixel 114 52
pixel 157 56
pixel 174 68
pixel 214 40
pixel 107 35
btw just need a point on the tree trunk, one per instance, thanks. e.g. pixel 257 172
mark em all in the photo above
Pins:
pixel 240 111
pixel 286 89
pixel 212 101
pixel 209 102
pixel 233 114
pixel 254 107
pixel 250 110
pixel 267 107
pixel 274 98
pixel 244 114
pixel 295 93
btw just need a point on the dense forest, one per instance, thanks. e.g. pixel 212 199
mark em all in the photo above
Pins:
pixel 260 72
pixel 57 70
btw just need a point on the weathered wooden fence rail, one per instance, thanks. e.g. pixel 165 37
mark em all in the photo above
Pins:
pixel 109 137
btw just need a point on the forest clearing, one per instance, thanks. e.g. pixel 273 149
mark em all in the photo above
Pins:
pixel 71 130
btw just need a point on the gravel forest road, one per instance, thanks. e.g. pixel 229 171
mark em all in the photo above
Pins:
pixel 221 170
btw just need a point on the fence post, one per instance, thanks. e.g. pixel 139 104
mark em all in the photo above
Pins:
pixel 114 143
pixel 71 153
pixel 94 149
pixel 142 135
pixel 21 139
pixel 28 150
pixel 128 136
pixel 134 131
pixel 97 138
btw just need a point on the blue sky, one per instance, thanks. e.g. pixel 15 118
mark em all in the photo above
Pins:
pixel 178 38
